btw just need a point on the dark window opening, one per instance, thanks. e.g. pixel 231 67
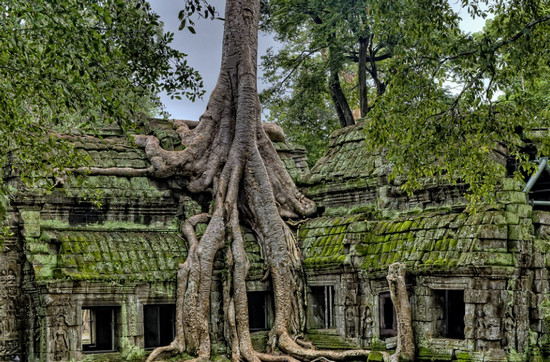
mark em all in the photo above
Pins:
pixel 450 310
pixel 388 319
pixel 98 329
pixel 321 307
pixel 159 323
pixel 258 310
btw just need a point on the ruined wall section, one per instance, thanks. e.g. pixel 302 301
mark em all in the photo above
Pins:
pixel 94 242
pixel 349 176
pixel 494 259
pixel 12 311
pixel 87 242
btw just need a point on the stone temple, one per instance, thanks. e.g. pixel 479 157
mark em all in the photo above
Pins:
pixel 89 271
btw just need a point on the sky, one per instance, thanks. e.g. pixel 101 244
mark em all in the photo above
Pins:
pixel 204 50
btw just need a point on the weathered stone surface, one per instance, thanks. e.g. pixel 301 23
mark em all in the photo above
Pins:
pixel 124 254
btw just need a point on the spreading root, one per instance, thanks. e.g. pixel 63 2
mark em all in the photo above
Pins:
pixel 229 155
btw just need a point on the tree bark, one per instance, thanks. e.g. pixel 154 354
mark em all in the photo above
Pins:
pixel 343 110
pixel 380 86
pixel 362 74
pixel 400 299
pixel 229 155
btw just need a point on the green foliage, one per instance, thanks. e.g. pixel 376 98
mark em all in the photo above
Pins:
pixel 321 38
pixel 449 98
pixel 72 66
pixel 453 135
pixel 304 112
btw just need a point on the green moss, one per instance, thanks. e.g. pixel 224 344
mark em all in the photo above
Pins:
pixel 377 345
pixel 375 357
pixel 463 357
pixel 426 354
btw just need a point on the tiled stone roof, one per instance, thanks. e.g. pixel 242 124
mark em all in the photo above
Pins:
pixel 350 175
pixel 438 240
pixel 101 255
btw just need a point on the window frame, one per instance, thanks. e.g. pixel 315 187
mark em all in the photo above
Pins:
pixel 92 347
pixel 450 298
pixel 386 332
pixel 328 303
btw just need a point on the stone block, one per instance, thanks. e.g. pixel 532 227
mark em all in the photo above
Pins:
pixel 538 260
pixel 492 331
pixel 493 232
pixel 541 217
pixel 467 232
pixel 543 232
pixel 496 284
pixel 512 197
pixel 31 223
pixel 510 184
pixel 423 311
pixel 520 232
pixel 521 210
pixel 476 296
pixel 492 245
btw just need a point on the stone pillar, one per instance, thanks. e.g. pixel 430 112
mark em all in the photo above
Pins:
pixel 10 293
pixel 10 297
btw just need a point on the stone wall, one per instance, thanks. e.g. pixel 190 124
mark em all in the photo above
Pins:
pixel 103 242
pixel 11 299
pixel 494 257
pixel 107 241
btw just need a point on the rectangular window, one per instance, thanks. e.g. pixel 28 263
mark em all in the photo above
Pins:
pixel 450 311
pixel 98 329
pixel 321 310
pixel 159 323
pixel 388 320
pixel 258 310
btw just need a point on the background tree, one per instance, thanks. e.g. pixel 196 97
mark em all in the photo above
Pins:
pixel 304 110
pixel 346 45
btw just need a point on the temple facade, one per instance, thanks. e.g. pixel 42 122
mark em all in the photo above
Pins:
pixel 89 270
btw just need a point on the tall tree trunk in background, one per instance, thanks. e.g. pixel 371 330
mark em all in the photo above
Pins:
pixel 362 73
pixel 339 99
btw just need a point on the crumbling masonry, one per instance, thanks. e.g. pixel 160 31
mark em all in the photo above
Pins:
pixel 79 281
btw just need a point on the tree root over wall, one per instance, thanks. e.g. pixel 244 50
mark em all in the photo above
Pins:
pixel 229 155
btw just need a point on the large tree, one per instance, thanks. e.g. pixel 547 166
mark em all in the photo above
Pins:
pixel 338 52
pixel 229 155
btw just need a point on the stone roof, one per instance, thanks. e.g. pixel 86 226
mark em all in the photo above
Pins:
pixel 102 255
pixel 441 241
pixel 350 175
pixel 433 239
pixel 322 241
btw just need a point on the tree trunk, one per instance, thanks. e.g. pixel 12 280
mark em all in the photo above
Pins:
pixel 362 73
pixel 229 155
pixel 400 299
pixel 339 99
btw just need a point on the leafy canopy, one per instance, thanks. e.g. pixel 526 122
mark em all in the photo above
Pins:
pixel 75 66
pixel 321 38
pixel 496 77
pixel 450 98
